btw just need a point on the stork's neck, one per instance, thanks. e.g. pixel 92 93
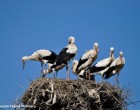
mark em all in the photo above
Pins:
pixel 71 42
pixel 96 49
pixel 121 59
pixel 74 70
pixel 71 45
pixel 111 55
pixel 74 67
pixel 27 57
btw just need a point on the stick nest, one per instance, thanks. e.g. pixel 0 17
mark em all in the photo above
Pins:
pixel 60 94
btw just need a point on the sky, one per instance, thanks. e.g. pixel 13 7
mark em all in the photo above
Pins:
pixel 29 25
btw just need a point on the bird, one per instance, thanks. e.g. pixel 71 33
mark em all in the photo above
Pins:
pixel 82 74
pixel 115 67
pixel 66 54
pixel 88 58
pixel 74 66
pixel 41 55
pixel 50 70
pixel 49 57
pixel 100 67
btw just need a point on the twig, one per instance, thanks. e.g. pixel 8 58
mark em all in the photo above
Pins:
pixel 72 94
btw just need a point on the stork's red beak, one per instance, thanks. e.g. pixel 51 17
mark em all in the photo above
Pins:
pixel 23 62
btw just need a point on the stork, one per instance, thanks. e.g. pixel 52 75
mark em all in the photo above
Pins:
pixel 83 73
pixel 115 67
pixel 88 58
pixel 42 55
pixel 50 70
pixel 49 57
pixel 100 67
pixel 66 54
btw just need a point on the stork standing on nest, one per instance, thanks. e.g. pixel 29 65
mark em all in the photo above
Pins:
pixel 115 67
pixel 42 55
pixel 66 54
pixel 100 67
pixel 82 73
pixel 87 59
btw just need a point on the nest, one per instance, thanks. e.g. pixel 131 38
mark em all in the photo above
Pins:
pixel 60 94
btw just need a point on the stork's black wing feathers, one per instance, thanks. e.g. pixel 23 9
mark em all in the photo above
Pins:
pixel 81 62
pixel 108 73
pixel 50 58
pixel 94 68
pixel 63 51
pixel 63 57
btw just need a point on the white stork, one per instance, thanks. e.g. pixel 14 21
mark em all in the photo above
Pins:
pixel 100 67
pixel 50 70
pixel 66 54
pixel 83 73
pixel 88 58
pixel 115 67
pixel 43 56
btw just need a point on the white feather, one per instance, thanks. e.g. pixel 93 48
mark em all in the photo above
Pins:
pixel 72 49
pixel 43 52
pixel 103 63
pixel 114 63
pixel 86 54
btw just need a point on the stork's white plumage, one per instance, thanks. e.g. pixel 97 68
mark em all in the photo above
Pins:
pixel 88 58
pixel 66 54
pixel 115 66
pixel 42 55
pixel 100 67
pixel 83 73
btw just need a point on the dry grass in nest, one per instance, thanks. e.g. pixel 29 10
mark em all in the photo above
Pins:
pixel 60 94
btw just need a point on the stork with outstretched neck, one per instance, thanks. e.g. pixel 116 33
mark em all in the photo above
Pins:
pixel 65 55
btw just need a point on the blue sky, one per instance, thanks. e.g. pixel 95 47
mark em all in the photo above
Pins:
pixel 29 25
